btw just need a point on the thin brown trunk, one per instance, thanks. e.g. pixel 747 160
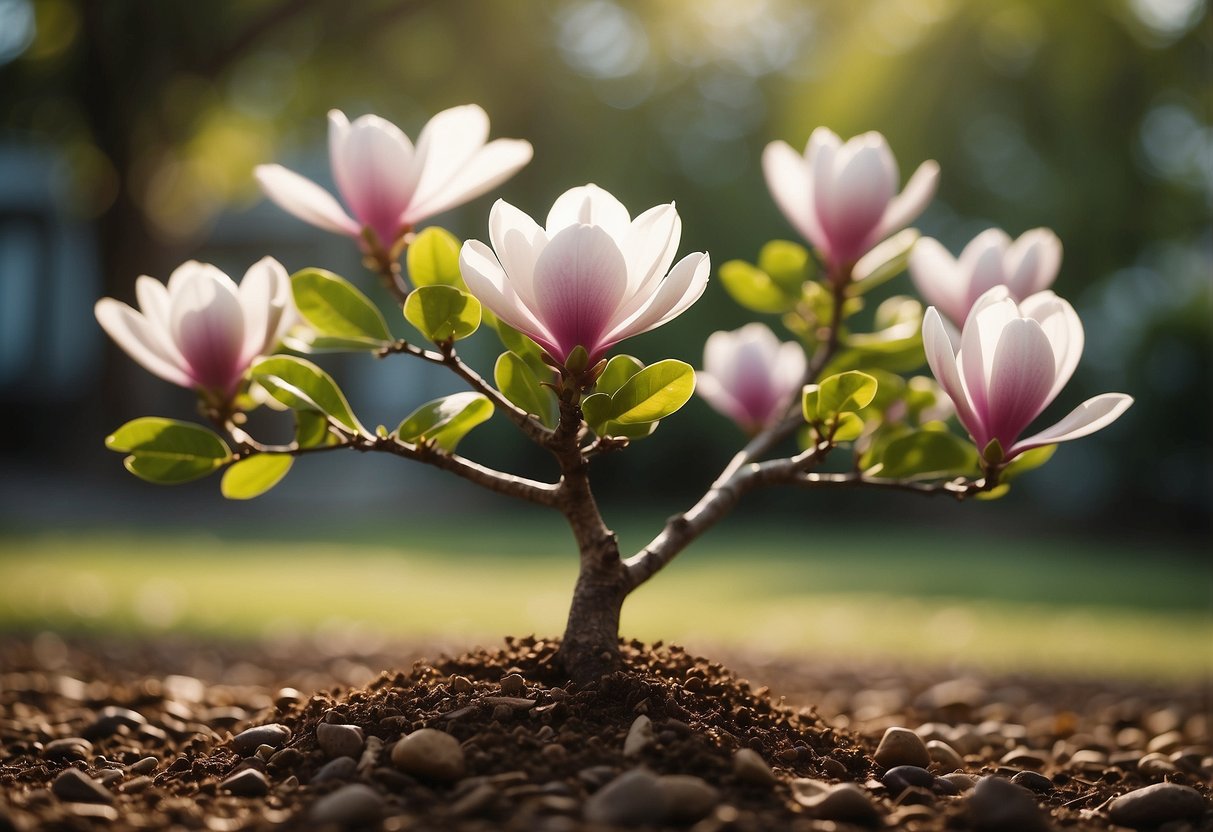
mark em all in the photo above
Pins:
pixel 591 638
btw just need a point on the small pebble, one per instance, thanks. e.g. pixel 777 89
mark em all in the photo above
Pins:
pixel 339 740
pixel 687 798
pixel 474 801
pixel 833 768
pixel 900 778
pixel 68 748
pixel 513 685
pixel 846 802
pixel 431 754
pixel 145 766
pixel 74 786
pixel 460 685
pixel 639 736
pixel 960 780
pixel 111 718
pixel 999 805
pixel 1033 780
pixel 1023 758
pixel 944 756
pixel 247 782
pixel 274 735
pixel 902 747
pixel 1154 805
pixel 341 768
pixel 749 767
pixel 136 785
pixel 352 805
pixel 634 798
pixel 1166 743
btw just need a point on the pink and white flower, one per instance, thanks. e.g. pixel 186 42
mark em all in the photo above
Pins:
pixel 749 376
pixel 390 185
pixel 202 330
pixel 1014 358
pixel 843 197
pixel 591 277
pixel 1025 266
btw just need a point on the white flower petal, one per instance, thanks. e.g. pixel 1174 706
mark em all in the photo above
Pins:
pixel 494 163
pixel 264 293
pixel 1064 329
pixel 136 335
pixel 912 201
pixel 489 283
pixel 1021 378
pixel 446 144
pixel 1032 262
pixel 787 176
pixel 938 279
pixel 853 197
pixel 207 324
pixel 944 366
pixel 979 342
pixel 1092 415
pixel 304 199
pixel 683 286
pixel 518 241
pixel 375 172
pixel 589 205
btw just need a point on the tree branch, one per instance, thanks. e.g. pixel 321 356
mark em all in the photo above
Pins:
pixel 960 488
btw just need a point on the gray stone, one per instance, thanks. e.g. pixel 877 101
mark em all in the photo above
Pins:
pixel 247 782
pixel 1024 758
pixel 145 766
pixel 902 747
pixel 68 748
pixel 846 802
pixel 639 736
pixel 687 798
pixel 1033 780
pixel 945 756
pixel 74 786
pixel 900 778
pixel 352 805
pixel 340 768
pixel 634 798
pixel 1157 804
pixel 960 780
pixel 274 735
pixel 111 718
pixel 339 740
pixel 430 754
pixel 750 768
pixel 999 805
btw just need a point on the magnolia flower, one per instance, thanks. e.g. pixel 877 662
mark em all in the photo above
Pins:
pixel 1026 266
pixel 202 330
pixel 843 197
pixel 591 278
pixel 390 185
pixel 749 376
pixel 1013 361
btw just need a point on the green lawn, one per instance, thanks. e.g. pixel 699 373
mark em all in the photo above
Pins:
pixel 1040 604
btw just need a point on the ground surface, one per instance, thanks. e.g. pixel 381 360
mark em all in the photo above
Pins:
pixel 154 734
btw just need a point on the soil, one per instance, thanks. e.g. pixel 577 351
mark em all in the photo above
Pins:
pixel 154 730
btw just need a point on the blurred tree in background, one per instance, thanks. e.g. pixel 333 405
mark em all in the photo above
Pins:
pixel 146 118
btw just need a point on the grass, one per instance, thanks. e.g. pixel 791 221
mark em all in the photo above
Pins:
pixel 1039 605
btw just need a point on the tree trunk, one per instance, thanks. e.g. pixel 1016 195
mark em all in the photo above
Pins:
pixel 591 637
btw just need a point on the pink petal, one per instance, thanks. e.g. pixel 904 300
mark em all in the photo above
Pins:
pixel 304 199
pixel 580 280
pixel 649 248
pixel 981 264
pixel 375 173
pixel 491 165
pixel 912 201
pixel 1092 415
pixel 722 401
pixel 787 175
pixel 137 336
pixel 1064 329
pixel 1020 380
pixel 1032 262
pixel 518 241
pixel 207 323
pixel 589 205
pixel 852 197
pixel 979 343
pixel 683 286
pixel 938 280
pixel 264 293
pixel 488 282
pixel 944 366
pixel 447 143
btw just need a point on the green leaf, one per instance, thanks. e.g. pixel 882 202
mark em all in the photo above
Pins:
pixel 928 454
pixel 847 427
pixel 596 409
pixel 787 264
pixel 1027 461
pixel 518 383
pixel 618 370
pixel 442 313
pixel 433 259
pixel 753 288
pixel 884 262
pixel 653 393
pixel 808 402
pixel 336 309
pixel 997 492
pixel 640 430
pixel 254 476
pixel 447 420
pixel 517 343
pixel 312 429
pixel 167 451
pixel 301 385
pixel 845 392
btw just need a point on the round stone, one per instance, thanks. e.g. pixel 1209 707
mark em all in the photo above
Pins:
pixel 74 786
pixel 352 805
pixel 902 747
pixel 274 735
pixel 944 756
pixel 634 798
pixel 1155 805
pixel 846 802
pixel 340 768
pixel 687 798
pixel 900 778
pixel 339 740
pixel 513 685
pixel 639 736
pixel 111 718
pixel 430 754
pixel 247 782
pixel 68 748
pixel 750 768
pixel 999 805
pixel 1033 780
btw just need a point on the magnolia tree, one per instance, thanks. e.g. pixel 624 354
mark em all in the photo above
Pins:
pixel 835 406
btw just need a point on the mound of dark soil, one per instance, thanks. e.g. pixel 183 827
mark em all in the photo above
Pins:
pixel 117 736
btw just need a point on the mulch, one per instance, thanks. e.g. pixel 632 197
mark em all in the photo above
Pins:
pixel 158 729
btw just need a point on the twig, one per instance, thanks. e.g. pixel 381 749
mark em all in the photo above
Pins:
pixel 960 488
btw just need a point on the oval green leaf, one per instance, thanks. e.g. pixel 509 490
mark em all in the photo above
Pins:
pixel 884 262
pixel 301 385
pixel 335 309
pixel 447 420
pixel 618 370
pixel 167 451
pixel 753 288
pixel 254 476
pixel 518 383
pixel 845 392
pixel 653 393
pixel 433 259
pixel 927 454
pixel 847 427
pixel 787 264
pixel 442 313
